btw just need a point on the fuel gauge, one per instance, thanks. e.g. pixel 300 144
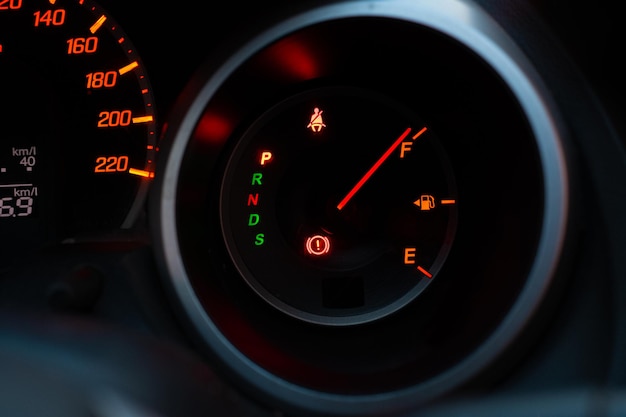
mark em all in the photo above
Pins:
pixel 348 232
pixel 353 194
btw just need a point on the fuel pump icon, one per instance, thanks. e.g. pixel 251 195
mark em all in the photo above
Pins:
pixel 425 202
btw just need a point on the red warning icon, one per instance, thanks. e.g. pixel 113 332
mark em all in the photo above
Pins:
pixel 317 245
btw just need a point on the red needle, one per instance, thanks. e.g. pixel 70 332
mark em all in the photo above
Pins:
pixel 374 167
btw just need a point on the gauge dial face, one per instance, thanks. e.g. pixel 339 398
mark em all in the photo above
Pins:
pixel 338 206
pixel 77 122
pixel 373 177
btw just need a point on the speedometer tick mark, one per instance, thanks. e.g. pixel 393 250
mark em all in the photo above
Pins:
pixel 128 68
pixel 94 28
pixel 141 173
pixel 143 119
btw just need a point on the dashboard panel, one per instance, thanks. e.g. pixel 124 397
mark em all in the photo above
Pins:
pixel 338 208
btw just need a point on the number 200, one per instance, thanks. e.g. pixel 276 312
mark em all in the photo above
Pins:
pixel 115 118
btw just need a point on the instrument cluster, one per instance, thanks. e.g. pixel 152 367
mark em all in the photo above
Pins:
pixel 347 208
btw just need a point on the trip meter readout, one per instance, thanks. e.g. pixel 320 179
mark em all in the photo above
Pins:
pixel 77 123
pixel 18 192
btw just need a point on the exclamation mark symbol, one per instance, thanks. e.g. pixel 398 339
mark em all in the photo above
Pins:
pixel 317 245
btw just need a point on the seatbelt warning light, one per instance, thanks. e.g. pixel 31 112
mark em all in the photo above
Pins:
pixel 316 123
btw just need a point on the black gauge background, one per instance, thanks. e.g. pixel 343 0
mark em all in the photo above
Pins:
pixel 499 180
pixel 364 275
pixel 50 107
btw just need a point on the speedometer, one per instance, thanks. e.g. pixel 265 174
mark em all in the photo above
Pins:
pixel 77 123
